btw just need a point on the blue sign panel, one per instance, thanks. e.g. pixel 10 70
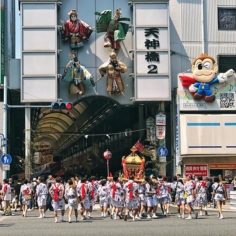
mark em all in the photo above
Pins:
pixel 6 159
pixel 162 151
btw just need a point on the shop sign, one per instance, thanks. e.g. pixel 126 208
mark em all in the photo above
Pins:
pixel 196 169
pixel 160 119
pixel 222 166
pixel 160 132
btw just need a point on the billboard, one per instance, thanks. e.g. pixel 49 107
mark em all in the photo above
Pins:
pixel 207 134
pixel 151 51
pixel 39 52
pixel 224 95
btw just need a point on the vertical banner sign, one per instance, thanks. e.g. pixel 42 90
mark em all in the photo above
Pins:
pixel 2 46
pixel 150 126
pixel 152 51
pixel 177 141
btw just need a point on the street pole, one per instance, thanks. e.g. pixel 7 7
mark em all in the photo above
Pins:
pixel 27 143
pixel 4 147
pixel 107 167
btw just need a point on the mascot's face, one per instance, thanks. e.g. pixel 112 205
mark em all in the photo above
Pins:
pixel 204 70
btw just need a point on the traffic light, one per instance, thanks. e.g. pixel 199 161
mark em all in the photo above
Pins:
pixel 62 105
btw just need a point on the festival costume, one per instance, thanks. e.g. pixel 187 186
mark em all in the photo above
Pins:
pixel 114 80
pixel 76 31
pixel 70 194
pixel 42 192
pixel 178 187
pixel 189 186
pixel 7 198
pixel 25 190
pixel 219 192
pixel 131 200
pixel 103 195
pixel 149 197
pixel 141 193
pixel 82 192
pixel 116 195
pixel 60 202
pixel 201 197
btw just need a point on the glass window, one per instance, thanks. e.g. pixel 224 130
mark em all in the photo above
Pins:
pixel 226 19
pixel 226 62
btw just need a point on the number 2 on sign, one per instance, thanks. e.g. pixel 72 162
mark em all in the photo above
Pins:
pixel 153 69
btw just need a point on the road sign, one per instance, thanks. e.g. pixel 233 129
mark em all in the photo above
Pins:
pixel 6 159
pixel 162 159
pixel 5 167
pixel 162 151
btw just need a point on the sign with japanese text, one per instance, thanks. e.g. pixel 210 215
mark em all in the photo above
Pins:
pixel 223 92
pixel 196 169
pixel 160 132
pixel 222 166
pixel 160 119
pixel 151 52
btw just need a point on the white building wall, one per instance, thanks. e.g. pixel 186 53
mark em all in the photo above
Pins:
pixel 186 33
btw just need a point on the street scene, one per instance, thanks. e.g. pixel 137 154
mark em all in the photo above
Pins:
pixel 170 225
pixel 117 117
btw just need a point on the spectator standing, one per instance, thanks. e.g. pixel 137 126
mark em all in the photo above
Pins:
pixel 234 183
pixel 17 194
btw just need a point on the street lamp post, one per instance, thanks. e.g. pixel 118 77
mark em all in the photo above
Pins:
pixel 107 155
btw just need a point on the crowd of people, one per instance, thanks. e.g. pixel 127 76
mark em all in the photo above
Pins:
pixel 117 197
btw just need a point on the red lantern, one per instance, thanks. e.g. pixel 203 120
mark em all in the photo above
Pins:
pixel 107 154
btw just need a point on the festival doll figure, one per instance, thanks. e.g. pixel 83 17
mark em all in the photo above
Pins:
pixel 77 75
pixel 115 30
pixel 76 30
pixel 113 68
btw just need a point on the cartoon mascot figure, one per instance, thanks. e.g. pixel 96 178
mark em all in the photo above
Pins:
pixel 204 70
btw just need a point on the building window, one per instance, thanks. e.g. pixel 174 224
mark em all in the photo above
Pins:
pixel 226 62
pixel 226 19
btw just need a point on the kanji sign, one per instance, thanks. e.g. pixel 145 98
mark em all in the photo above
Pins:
pixel 196 169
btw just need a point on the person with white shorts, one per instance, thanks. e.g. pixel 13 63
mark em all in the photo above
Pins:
pixel 41 196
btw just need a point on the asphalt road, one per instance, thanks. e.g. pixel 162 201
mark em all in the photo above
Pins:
pixel 167 226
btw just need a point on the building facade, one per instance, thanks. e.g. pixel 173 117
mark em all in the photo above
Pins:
pixel 180 31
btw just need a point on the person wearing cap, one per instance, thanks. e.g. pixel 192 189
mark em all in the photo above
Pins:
pixel 190 201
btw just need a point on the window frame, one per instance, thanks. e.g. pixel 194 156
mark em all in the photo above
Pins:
pixel 218 19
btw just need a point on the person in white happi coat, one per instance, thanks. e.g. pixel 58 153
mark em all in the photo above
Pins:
pixel 149 196
pixel 142 199
pixel 41 196
pixel 116 198
pixel 178 188
pixel 219 195
pixel 131 198
pixel 103 197
pixel 201 195
pixel 83 198
pixel 163 194
pixel 189 188
pixel 71 195
pixel 6 190
pixel 25 195
pixel 57 192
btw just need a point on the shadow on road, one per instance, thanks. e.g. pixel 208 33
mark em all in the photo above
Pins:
pixel 6 225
